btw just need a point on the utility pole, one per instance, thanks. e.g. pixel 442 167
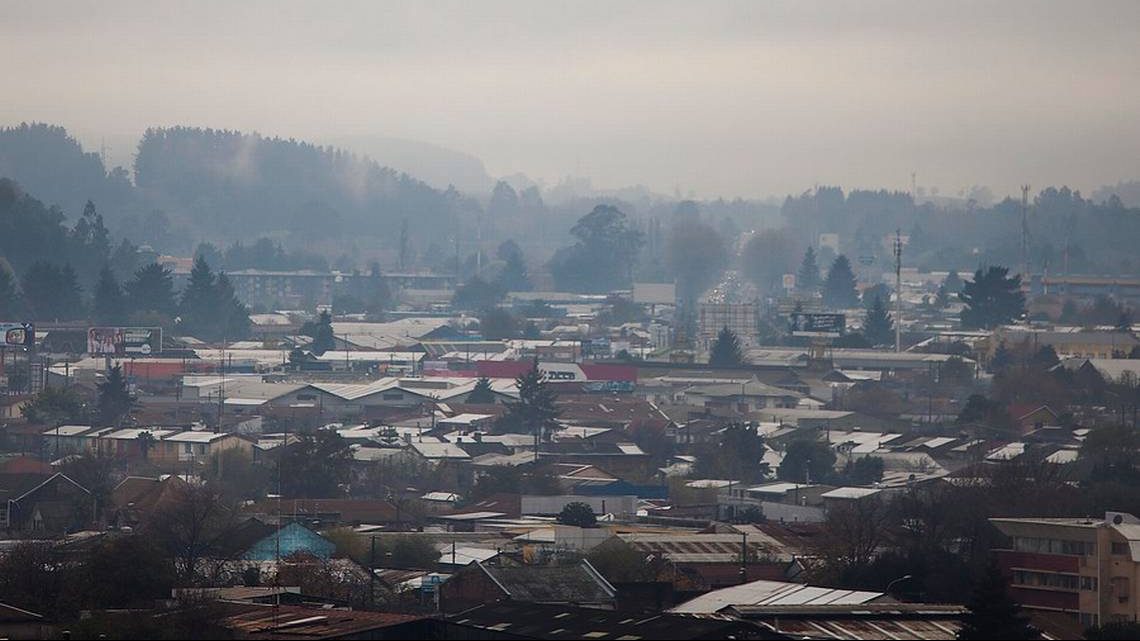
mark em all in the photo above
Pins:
pixel 1025 234
pixel 898 290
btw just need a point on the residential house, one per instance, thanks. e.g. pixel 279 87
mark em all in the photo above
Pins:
pixel 479 583
pixel 44 504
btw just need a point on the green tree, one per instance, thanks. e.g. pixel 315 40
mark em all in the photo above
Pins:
pixel 737 455
pixel 839 286
pixel 993 614
pixel 696 257
pixel 482 394
pixel 10 308
pixel 55 405
pixel 513 277
pixel 496 323
pixel 865 470
pixel 477 294
pixel 807 277
pixel 197 305
pixel 879 328
pixel 993 298
pixel 151 291
pixel 1002 359
pixel 110 304
pixel 603 255
pixel 725 350
pixel 321 332
pixel 1045 358
pixel 535 411
pixel 51 293
pixel 1110 454
pixel 953 282
pixel 807 461
pixel 317 466
pixel 579 514
pixel 115 399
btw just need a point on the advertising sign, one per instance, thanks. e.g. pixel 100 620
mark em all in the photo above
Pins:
pixel 124 341
pixel 17 334
pixel 827 325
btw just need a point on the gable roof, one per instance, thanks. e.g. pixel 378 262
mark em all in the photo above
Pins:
pixel 579 583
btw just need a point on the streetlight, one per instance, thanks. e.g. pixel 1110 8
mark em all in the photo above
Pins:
pixel 905 577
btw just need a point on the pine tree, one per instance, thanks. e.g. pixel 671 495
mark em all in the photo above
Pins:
pixel 878 328
pixel 151 290
pixel 115 400
pixel 535 411
pixel 109 304
pixel 725 350
pixel 9 296
pixel 839 287
pixel 482 394
pixel 197 298
pixel 234 322
pixel 70 295
pixel 321 332
pixel 993 615
pixel 1002 359
pixel 993 298
pixel 807 278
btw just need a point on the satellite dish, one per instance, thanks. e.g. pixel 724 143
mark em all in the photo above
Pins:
pixel 1117 520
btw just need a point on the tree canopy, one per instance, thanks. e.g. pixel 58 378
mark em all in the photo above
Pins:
pixel 603 256
pixel 993 298
pixel 725 350
pixel 839 286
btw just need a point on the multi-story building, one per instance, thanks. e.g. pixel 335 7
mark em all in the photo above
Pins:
pixel 1087 568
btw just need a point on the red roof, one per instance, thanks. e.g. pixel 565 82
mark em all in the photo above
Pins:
pixel 24 465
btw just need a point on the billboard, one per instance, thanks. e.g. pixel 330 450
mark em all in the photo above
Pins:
pixel 827 325
pixel 17 335
pixel 124 341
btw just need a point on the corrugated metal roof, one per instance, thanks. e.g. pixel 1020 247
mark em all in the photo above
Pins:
pixel 774 593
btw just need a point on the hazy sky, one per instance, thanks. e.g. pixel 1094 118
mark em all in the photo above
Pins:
pixel 752 98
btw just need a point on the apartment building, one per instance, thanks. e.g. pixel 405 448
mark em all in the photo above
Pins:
pixel 1084 567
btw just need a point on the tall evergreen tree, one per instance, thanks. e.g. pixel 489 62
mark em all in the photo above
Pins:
pixel 234 323
pixel 513 277
pixel 878 328
pixel 725 350
pixel 535 411
pixel 198 298
pixel 51 293
pixel 839 287
pixel 109 304
pixel 151 290
pixel 482 394
pixel 993 615
pixel 993 298
pixel 210 309
pixel 321 332
pixel 807 278
pixel 9 295
pixel 115 399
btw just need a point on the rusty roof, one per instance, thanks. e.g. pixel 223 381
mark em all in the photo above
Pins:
pixel 296 622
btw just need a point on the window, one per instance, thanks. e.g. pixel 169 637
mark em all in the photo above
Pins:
pixel 393 396
pixel 1088 619
pixel 306 397
pixel 1089 583
pixel 1032 579
pixel 1120 548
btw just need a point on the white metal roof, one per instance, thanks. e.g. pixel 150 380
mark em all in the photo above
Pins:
pixel 774 593
pixel 850 493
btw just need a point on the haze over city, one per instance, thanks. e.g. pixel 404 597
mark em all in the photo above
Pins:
pixel 721 99
pixel 578 320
